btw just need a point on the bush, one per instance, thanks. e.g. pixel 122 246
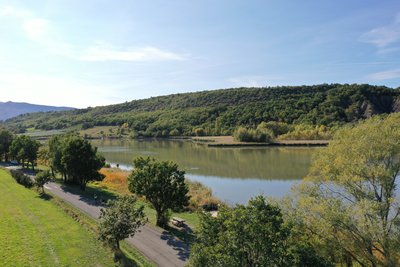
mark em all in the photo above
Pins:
pixel 199 132
pixel 174 132
pixel 201 197
pixel 253 135
pixel 21 178
pixel 277 128
pixel 308 132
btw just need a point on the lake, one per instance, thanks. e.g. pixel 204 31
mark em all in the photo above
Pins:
pixel 233 174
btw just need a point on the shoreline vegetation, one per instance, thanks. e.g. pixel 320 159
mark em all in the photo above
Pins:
pixel 116 181
pixel 209 141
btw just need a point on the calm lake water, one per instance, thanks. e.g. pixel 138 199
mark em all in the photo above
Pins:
pixel 234 174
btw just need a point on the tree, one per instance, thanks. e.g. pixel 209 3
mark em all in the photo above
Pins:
pixel 250 235
pixel 23 148
pixel 162 183
pixel 80 161
pixel 6 138
pixel 55 155
pixel 348 202
pixel 41 179
pixel 120 220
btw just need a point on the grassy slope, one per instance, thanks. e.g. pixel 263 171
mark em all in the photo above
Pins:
pixel 35 232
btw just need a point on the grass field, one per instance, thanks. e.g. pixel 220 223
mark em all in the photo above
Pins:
pixel 35 232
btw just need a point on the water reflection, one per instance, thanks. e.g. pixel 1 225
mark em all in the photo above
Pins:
pixel 234 174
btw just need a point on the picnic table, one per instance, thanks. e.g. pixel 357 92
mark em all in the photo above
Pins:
pixel 178 221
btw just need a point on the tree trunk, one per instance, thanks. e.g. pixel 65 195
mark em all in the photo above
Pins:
pixel 161 218
pixel 83 186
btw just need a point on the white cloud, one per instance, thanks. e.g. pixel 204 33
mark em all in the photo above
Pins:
pixel 36 28
pixel 140 54
pixel 385 75
pixel 42 89
pixel 385 36
pixel 13 12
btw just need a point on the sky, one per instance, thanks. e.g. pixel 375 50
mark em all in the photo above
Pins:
pixel 93 52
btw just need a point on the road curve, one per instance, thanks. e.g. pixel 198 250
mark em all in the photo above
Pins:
pixel 160 247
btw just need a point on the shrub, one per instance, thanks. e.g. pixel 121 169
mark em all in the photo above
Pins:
pixel 199 132
pixel 253 135
pixel 21 178
pixel 308 132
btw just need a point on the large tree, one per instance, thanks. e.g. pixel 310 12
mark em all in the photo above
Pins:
pixel 23 148
pixel 81 161
pixel 120 220
pixel 6 138
pixel 349 203
pixel 55 153
pixel 162 183
pixel 250 235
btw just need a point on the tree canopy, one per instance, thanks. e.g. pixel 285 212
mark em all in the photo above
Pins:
pixel 6 138
pixel 121 219
pixel 349 203
pixel 24 149
pixel 250 235
pixel 75 158
pixel 162 183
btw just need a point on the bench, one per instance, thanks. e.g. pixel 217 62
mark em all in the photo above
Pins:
pixel 178 221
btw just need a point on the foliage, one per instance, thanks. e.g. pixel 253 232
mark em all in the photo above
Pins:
pixel 252 235
pixel 253 135
pixel 81 161
pixel 220 112
pixel 348 204
pixel 23 148
pixel 308 132
pixel 6 138
pixel 276 127
pixel 162 183
pixel 120 220
pixel 41 179
pixel 21 178
pixel 201 197
pixel 75 158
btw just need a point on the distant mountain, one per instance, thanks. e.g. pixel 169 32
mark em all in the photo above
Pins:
pixel 12 109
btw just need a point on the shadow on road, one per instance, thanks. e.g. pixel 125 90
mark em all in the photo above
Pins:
pixel 178 245
pixel 86 196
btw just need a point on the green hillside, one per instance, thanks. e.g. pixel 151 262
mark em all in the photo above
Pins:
pixel 219 112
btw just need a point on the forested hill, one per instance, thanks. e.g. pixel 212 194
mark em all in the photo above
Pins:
pixel 12 109
pixel 221 111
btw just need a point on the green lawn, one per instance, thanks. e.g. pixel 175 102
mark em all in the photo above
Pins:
pixel 35 232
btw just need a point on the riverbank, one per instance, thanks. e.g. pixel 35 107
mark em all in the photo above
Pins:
pixel 228 141
pixel 113 132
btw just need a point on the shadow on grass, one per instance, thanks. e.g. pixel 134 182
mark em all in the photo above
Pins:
pixel 44 196
pixel 124 260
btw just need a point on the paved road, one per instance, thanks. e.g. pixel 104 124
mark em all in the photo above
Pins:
pixel 160 247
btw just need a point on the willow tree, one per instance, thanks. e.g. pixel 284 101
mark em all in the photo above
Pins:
pixel 349 202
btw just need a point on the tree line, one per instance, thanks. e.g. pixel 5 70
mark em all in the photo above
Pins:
pixel 221 112
pixel 71 156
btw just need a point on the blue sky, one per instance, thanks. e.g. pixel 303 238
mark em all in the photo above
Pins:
pixel 87 53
